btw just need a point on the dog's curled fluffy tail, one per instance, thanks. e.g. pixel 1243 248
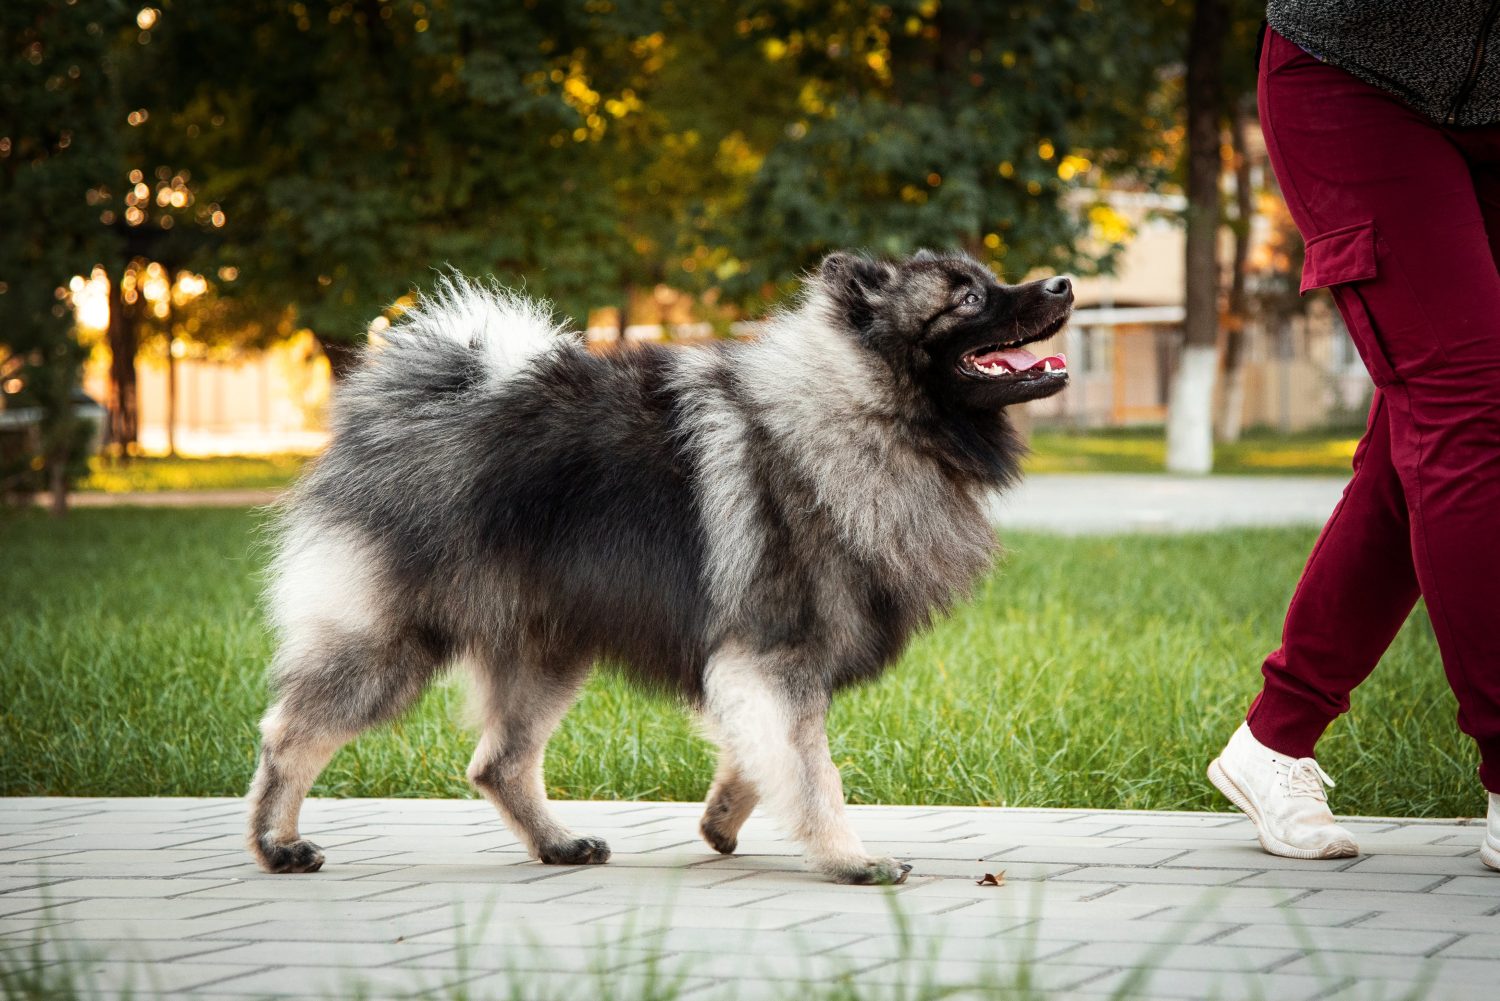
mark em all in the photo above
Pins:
pixel 463 334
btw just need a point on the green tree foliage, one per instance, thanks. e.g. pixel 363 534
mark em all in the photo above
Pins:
pixel 966 122
pixel 357 146
pixel 580 147
pixel 324 157
pixel 56 141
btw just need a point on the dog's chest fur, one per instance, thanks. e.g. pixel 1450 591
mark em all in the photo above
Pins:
pixel 830 529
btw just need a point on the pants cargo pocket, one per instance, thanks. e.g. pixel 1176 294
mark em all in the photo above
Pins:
pixel 1385 317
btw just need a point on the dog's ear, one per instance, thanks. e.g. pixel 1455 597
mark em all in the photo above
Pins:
pixel 842 268
pixel 856 283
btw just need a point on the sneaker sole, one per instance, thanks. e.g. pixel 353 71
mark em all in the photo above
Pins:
pixel 1342 848
pixel 1490 855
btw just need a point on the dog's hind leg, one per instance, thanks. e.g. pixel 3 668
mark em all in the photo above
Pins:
pixel 779 742
pixel 522 706
pixel 328 692
pixel 731 799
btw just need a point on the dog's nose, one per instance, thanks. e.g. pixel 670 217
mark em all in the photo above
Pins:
pixel 1058 286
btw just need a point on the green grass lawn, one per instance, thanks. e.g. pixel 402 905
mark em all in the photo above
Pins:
pixel 1086 673
pixel 224 472
pixel 1144 450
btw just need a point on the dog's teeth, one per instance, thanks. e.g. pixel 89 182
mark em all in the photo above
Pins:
pixel 1046 366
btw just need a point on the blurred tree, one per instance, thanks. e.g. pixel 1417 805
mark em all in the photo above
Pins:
pixel 56 141
pixel 976 123
pixel 356 146
pixel 1190 409
pixel 1219 86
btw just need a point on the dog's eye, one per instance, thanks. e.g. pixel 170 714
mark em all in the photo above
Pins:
pixel 970 299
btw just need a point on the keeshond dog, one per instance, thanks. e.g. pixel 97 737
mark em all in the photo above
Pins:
pixel 750 526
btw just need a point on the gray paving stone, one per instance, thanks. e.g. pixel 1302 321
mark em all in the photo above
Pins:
pixel 1362 940
pixel 349 955
pixel 328 910
pixel 761 917
pixel 127 907
pixel 1221 985
pixel 147 979
pixel 303 886
pixel 1466 864
pixel 1175 875
pixel 1487 885
pixel 1330 879
pixel 134 889
pixel 141 926
pixel 61 949
pixel 1401 968
pixel 1482 924
pixel 619 984
pixel 534 958
pixel 1166 955
pixel 1218 899
pixel 337 982
pixel 1247 855
pixel 1150 933
pixel 1323 917
pixel 404 927
pixel 1482 946
pixel 440 889
pixel 1089 854
pixel 1377 900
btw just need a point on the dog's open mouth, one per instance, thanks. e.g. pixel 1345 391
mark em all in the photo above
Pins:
pixel 997 362
pixel 1009 360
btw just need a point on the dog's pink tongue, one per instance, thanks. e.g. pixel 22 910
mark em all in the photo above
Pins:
pixel 1016 359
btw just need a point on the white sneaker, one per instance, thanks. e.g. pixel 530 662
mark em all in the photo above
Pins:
pixel 1489 852
pixel 1284 797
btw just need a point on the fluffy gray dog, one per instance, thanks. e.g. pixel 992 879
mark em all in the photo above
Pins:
pixel 750 526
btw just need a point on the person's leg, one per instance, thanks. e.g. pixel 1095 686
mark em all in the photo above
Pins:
pixel 1449 452
pixel 1356 591
pixel 1393 227
pixel 1484 152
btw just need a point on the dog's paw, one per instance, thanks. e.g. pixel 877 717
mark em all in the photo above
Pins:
pixel 872 872
pixel 294 856
pixel 579 851
pixel 723 842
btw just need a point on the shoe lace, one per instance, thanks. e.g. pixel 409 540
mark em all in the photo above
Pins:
pixel 1305 777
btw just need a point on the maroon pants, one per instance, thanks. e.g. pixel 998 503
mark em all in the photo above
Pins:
pixel 1401 218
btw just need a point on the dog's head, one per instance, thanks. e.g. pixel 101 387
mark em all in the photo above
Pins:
pixel 947 328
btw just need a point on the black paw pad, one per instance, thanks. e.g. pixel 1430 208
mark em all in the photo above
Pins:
pixel 580 851
pixel 295 856
pixel 721 841
pixel 881 873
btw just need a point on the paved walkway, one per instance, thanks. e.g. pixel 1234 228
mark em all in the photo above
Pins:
pixel 1084 503
pixel 169 498
pixel 435 896
pixel 1101 503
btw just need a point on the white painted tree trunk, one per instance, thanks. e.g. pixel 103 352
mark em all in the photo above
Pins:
pixel 1190 412
pixel 1232 412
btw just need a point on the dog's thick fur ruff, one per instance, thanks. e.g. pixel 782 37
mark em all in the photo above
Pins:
pixel 750 526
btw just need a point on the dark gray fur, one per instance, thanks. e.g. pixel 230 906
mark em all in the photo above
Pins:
pixel 807 501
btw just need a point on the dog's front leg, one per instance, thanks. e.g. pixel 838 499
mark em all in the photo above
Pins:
pixel 731 800
pixel 778 742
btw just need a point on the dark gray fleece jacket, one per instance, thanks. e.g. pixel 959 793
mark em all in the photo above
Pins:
pixel 1441 56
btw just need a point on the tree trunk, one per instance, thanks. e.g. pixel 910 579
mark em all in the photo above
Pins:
pixel 57 476
pixel 623 320
pixel 1232 407
pixel 124 341
pixel 342 356
pixel 171 394
pixel 1190 413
